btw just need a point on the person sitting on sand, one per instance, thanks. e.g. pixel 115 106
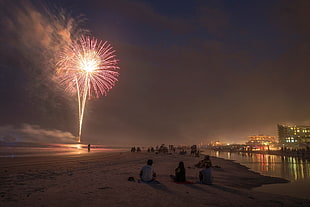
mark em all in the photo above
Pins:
pixel 203 162
pixel 205 175
pixel 180 173
pixel 147 173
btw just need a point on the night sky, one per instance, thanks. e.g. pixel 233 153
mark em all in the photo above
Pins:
pixel 190 71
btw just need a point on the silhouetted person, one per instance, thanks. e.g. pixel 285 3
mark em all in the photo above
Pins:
pixel 180 173
pixel 88 147
pixel 147 173
pixel 197 154
pixel 133 149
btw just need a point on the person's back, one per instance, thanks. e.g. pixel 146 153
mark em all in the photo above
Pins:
pixel 180 173
pixel 147 173
pixel 205 175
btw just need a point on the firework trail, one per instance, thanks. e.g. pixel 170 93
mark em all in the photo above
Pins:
pixel 87 67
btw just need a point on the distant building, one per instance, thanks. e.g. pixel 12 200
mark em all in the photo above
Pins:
pixel 261 140
pixel 218 143
pixel 215 143
pixel 294 136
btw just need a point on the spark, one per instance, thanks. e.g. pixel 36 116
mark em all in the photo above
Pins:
pixel 87 68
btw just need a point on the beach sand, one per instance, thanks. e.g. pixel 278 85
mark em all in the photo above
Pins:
pixel 100 179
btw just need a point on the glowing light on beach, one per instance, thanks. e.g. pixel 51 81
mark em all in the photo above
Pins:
pixel 87 68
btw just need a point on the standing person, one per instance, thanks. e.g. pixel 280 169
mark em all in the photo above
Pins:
pixel 205 175
pixel 88 147
pixel 147 173
pixel 180 173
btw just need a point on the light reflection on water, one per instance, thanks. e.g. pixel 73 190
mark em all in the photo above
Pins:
pixel 291 168
pixel 294 169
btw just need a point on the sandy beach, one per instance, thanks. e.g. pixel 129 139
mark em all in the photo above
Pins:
pixel 100 179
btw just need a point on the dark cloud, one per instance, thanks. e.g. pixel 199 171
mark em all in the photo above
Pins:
pixel 141 13
pixel 292 17
pixel 216 21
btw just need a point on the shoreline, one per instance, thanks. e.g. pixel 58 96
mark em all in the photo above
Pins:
pixel 97 179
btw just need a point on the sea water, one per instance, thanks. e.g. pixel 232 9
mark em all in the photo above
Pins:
pixel 294 169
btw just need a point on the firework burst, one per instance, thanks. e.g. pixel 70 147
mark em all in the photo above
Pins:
pixel 87 67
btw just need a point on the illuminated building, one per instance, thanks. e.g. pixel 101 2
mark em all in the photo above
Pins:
pixel 261 143
pixel 294 136
pixel 218 143
pixel 261 140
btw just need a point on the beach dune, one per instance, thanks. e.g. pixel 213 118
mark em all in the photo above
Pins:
pixel 100 179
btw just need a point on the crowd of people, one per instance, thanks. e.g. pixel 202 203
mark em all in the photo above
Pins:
pixel 148 174
pixel 169 149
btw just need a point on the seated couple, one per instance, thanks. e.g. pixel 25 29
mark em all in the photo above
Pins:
pixel 205 175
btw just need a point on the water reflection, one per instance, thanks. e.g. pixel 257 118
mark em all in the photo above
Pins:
pixel 291 168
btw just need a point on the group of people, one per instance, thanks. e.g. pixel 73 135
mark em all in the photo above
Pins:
pixel 148 174
pixel 134 149
pixel 195 151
